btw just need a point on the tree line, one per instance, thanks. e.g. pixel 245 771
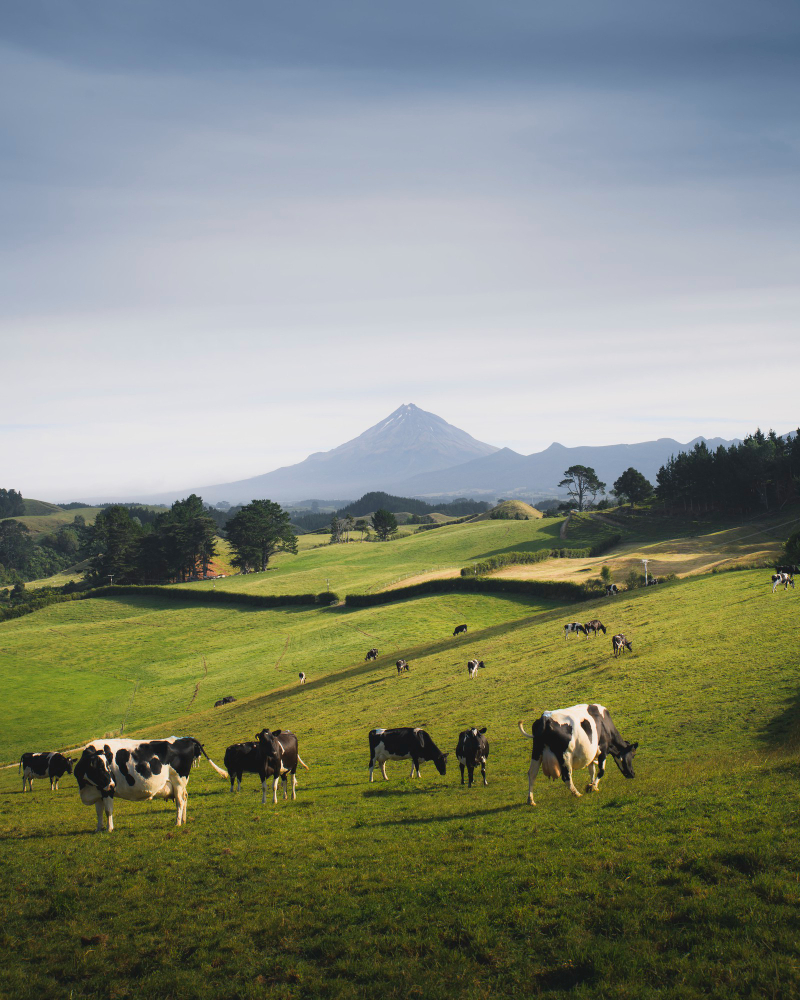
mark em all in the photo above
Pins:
pixel 377 500
pixel 760 473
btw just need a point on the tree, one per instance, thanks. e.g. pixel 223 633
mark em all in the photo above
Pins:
pixel 791 550
pixel 115 541
pixel 336 530
pixel 582 485
pixel 16 545
pixel 11 504
pixel 363 527
pixel 632 487
pixel 384 523
pixel 258 531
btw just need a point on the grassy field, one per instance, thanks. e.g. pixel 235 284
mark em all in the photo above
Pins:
pixel 362 567
pixel 40 524
pixel 680 883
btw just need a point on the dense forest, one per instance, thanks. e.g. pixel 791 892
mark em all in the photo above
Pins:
pixel 760 474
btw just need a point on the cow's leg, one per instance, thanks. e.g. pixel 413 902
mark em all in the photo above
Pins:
pixel 294 786
pixel 593 785
pixel 470 773
pixel 285 786
pixel 371 769
pixel 263 790
pixel 275 782
pixel 383 770
pixel 99 807
pixel 566 774
pixel 533 770
pixel 483 772
pixel 108 803
pixel 461 766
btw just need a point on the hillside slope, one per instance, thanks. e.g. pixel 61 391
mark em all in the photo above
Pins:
pixel 683 878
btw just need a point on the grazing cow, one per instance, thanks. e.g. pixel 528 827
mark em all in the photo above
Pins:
pixel 139 770
pixel 402 744
pixel 224 701
pixel 43 765
pixel 653 581
pixel 471 752
pixel 575 627
pixel 473 666
pixel 402 667
pixel 571 738
pixel 611 589
pixel 619 644
pixel 372 654
pixel 782 578
pixel 460 630
pixel 302 677
pixel 595 625
pixel 271 754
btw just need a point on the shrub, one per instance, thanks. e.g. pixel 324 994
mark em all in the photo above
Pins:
pixel 327 597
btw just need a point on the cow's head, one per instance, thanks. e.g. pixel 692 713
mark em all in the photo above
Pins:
pixel 441 762
pixel 270 747
pixel 93 769
pixel 624 757
pixel 69 762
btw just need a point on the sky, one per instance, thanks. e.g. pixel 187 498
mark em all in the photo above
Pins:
pixel 235 234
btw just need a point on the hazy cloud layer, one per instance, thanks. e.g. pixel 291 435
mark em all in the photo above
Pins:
pixel 235 235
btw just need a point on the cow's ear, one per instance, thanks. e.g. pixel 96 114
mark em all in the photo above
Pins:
pixel 633 746
pixel 482 730
pixel 445 755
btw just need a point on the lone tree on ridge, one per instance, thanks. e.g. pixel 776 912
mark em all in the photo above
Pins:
pixel 582 485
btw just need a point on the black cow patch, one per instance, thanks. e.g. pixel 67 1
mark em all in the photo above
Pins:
pixel 586 727
pixel 123 757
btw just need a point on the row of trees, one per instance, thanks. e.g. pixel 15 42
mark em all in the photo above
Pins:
pixel 583 486
pixel 11 503
pixel 761 473
pixel 180 543
pixel 383 522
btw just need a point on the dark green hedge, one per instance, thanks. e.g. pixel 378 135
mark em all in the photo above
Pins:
pixel 205 596
pixel 550 590
pixel 522 558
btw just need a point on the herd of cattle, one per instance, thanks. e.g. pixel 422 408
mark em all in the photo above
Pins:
pixel 142 770
pixel 563 741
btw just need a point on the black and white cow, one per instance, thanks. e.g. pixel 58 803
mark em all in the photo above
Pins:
pixel 619 644
pixel 611 589
pixel 372 654
pixel 271 755
pixel 224 701
pixel 571 738
pixel 404 743
pixel 653 581
pixel 139 770
pixel 575 627
pixel 473 666
pixel 402 667
pixel 471 752
pixel 782 578
pixel 595 626
pixel 302 677
pixel 43 765
pixel 460 630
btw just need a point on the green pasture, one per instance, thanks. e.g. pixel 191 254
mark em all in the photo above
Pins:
pixel 361 567
pixel 41 524
pixel 680 883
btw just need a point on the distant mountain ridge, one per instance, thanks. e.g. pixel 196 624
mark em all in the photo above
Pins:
pixel 506 471
pixel 415 453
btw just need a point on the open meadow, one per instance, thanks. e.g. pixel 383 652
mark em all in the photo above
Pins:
pixel 682 882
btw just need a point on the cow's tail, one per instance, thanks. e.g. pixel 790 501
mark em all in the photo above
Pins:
pixel 528 736
pixel 219 770
pixel 20 766
pixel 302 763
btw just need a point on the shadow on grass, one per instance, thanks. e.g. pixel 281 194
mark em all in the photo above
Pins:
pixel 471 814
pixel 784 730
